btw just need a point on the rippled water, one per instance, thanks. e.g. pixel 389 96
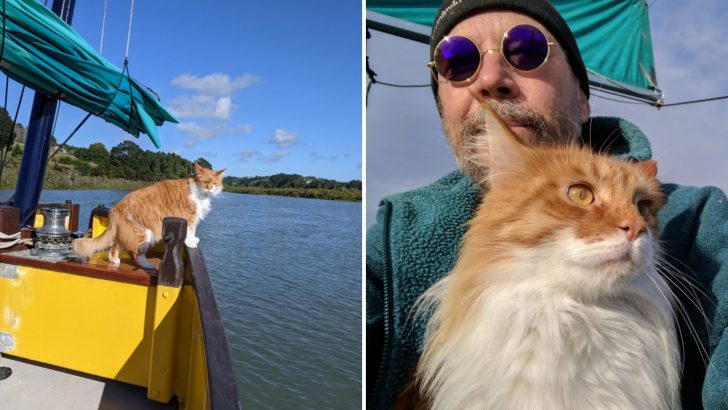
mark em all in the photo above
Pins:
pixel 287 278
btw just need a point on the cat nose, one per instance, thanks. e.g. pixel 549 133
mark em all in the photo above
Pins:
pixel 632 227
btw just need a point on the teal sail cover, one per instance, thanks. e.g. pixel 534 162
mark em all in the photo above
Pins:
pixel 613 37
pixel 41 51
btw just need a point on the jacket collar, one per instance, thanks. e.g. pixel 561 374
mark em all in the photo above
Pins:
pixel 617 136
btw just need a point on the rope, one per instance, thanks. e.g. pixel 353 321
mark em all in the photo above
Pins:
pixel 695 101
pixel 128 34
pixel 69 137
pixel 103 28
pixel 132 106
pixel 55 119
pixel 403 85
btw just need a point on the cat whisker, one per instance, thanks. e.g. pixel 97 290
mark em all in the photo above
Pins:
pixel 704 354
pixel 673 314
pixel 691 280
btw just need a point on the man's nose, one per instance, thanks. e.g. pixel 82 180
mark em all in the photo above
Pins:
pixel 495 78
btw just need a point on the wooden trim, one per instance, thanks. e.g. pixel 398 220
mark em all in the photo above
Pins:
pixel 124 273
pixel 171 269
pixel 220 375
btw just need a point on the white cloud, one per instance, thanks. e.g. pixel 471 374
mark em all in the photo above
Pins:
pixel 196 130
pixel 202 132
pixel 216 84
pixel 316 156
pixel 244 156
pixel 222 108
pixel 283 138
pixel 198 133
pixel 274 157
pixel 241 129
pixel 202 106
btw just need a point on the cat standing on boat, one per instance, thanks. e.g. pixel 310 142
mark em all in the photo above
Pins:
pixel 542 94
pixel 135 222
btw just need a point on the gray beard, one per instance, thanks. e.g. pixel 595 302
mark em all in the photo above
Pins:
pixel 562 129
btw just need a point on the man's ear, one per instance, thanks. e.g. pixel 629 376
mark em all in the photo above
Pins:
pixel 585 108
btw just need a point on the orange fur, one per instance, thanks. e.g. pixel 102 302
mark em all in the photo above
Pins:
pixel 144 209
pixel 525 206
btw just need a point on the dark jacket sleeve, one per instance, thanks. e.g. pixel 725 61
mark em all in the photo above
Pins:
pixel 695 243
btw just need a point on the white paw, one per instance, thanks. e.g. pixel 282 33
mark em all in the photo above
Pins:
pixel 114 261
pixel 192 242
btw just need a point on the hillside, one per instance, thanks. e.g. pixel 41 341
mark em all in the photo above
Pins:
pixel 126 167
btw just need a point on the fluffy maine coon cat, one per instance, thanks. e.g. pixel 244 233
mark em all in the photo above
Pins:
pixel 555 301
pixel 135 222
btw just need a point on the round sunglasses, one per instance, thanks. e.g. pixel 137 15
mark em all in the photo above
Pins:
pixel 458 59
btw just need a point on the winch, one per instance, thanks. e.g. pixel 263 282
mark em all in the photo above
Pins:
pixel 53 239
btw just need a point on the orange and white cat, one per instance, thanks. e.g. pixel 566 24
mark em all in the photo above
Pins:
pixel 555 301
pixel 135 222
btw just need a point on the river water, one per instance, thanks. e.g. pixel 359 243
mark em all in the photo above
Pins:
pixel 287 277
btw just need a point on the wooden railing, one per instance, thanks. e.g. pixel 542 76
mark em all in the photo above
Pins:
pixel 223 390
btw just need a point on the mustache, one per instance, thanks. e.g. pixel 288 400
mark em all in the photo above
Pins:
pixel 511 113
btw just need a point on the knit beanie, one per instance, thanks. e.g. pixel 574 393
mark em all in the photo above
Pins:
pixel 454 11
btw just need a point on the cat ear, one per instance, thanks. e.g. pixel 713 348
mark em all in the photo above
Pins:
pixel 220 172
pixel 505 155
pixel 198 168
pixel 649 168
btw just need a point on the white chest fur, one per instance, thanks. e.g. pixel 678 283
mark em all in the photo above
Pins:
pixel 530 349
pixel 201 199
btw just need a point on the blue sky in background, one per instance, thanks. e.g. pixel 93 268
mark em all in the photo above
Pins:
pixel 405 147
pixel 258 87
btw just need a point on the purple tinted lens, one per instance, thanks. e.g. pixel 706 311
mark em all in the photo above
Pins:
pixel 457 58
pixel 525 47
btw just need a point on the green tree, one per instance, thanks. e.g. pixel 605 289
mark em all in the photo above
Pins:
pixel 203 163
pixel 7 137
pixel 127 161
pixel 98 154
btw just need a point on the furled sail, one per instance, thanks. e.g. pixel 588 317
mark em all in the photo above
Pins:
pixel 41 51
pixel 613 37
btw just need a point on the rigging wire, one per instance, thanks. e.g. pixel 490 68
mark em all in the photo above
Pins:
pixel 128 34
pixel 124 70
pixel 723 97
pixel 403 85
pixel 103 28
pixel 69 136
pixel 635 100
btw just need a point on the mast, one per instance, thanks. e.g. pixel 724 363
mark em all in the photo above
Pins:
pixel 38 140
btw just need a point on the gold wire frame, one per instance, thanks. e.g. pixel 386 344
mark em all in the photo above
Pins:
pixel 433 65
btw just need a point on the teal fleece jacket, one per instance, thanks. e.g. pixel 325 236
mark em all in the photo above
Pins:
pixel 416 238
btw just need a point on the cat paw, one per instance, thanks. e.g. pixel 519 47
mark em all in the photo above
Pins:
pixel 192 242
pixel 115 261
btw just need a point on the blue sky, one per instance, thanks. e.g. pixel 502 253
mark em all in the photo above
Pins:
pixel 258 87
pixel 405 147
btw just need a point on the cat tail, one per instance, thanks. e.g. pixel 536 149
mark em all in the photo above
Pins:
pixel 87 247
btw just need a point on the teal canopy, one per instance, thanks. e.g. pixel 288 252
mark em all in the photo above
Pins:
pixel 41 51
pixel 613 37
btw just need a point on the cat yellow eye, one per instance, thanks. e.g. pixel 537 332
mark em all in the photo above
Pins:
pixel 580 194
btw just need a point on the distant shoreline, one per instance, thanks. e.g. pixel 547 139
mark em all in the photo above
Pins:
pixel 86 183
pixel 70 180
